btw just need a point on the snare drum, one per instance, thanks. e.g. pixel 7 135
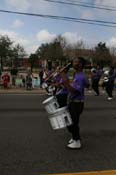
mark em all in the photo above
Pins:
pixel 44 85
pixel 60 118
pixel 51 104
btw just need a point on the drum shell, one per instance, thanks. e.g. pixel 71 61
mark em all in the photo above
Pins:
pixel 51 105
pixel 60 119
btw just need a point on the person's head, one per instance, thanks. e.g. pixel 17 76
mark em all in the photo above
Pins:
pixel 98 66
pixel 112 67
pixel 79 63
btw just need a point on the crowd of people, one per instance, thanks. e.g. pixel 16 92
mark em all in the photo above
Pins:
pixel 27 81
pixel 108 82
pixel 98 79
pixel 52 85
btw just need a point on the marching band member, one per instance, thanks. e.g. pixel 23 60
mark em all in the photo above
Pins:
pixel 76 100
pixel 52 82
pixel 56 80
pixel 62 91
pixel 109 84
pixel 47 83
pixel 95 77
pixel 105 78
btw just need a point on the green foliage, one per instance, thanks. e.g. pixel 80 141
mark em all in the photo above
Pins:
pixel 9 53
pixel 5 49
pixel 52 51
pixel 32 60
pixel 5 46
pixel 102 55
pixel 17 53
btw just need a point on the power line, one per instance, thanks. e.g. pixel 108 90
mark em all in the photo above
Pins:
pixel 81 5
pixel 64 18
pixel 58 17
pixel 87 3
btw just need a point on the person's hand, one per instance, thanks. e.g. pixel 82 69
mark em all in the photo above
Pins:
pixel 56 84
pixel 65 78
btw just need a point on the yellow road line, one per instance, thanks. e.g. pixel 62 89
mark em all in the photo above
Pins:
pixel 110 172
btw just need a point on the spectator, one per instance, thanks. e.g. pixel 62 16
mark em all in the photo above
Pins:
pixel 6 80
pixel 23 81
pixel 28 82
pixel 41 77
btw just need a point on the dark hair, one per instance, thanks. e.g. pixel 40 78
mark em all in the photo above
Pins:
pixel 112 67
pixel 82 61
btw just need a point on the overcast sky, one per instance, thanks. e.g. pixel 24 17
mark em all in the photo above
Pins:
pixel 31 31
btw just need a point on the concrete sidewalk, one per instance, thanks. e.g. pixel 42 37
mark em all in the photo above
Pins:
pixel 22 91
pixel 43 91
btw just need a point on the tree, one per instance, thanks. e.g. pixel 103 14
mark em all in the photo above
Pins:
pixel 62 41
pixel 43 51
pixel 18 53
pixel 51 51
pixel 102 55
pixel 113 51
pixel 5 49
pixel 57 51
pixel 60 46
pixel 75 50
pixel 32 60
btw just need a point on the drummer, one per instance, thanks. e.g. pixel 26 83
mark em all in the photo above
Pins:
pixel 62 91
pixel 76 100
pixel 56 80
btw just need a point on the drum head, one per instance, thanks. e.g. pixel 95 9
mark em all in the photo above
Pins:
pixel 60 110
pixel 44 85
pixel 49 99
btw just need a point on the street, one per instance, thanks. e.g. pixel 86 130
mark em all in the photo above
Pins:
pixel 29 146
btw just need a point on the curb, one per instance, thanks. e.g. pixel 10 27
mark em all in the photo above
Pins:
pixel 17 91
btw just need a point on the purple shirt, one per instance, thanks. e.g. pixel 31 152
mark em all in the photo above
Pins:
pixel 63 89
pixel 99 72
pixel 97 75
pixel 112 76
pixel 115 73
pixel 79 83
pixel 57 78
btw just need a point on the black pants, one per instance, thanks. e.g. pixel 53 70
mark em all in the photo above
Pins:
pixel 62 100
pixel 75 109
pixel 95 86
pixel 41 82
pixel 109 88
pixel 29 85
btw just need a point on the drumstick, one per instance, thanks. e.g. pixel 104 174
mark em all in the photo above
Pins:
pixel 65 67
pixel 59 72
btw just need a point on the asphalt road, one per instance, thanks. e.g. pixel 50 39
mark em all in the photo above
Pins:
pixel 29 146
